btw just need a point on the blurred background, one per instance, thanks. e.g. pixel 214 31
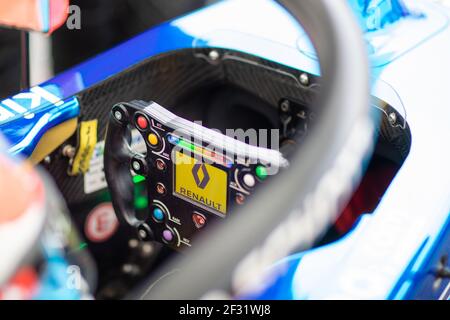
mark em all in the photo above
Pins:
pixel 104 24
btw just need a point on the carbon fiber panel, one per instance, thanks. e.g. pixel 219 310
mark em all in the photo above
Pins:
pixel 166 79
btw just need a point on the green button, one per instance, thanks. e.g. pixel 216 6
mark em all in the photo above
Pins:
pixel 141 203
pixel 261 172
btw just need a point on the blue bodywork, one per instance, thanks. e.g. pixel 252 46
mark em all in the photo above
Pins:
pixel 374 15
pixel 389 254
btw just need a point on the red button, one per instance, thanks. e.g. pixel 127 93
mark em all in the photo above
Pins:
pixel 142 122
pixel 199 220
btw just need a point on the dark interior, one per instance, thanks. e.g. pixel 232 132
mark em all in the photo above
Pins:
pixel 241 91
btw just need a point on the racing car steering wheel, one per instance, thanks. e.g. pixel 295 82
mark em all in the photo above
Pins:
pixel 305 199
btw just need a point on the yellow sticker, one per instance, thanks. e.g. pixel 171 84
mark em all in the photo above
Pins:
pixel 200 183
pixel 87 140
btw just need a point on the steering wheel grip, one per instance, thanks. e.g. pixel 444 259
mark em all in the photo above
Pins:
pixel 117 161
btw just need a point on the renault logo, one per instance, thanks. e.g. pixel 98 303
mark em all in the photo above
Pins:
pixel 201 182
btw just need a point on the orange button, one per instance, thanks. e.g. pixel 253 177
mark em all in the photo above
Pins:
pixel 153 139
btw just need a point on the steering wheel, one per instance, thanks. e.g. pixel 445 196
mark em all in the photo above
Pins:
pixel 306 198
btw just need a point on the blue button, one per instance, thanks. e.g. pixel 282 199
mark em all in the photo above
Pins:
pixel 158 214
pixel 173 140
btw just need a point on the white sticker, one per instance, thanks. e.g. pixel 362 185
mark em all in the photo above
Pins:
pixel 94 179
pixel 101 224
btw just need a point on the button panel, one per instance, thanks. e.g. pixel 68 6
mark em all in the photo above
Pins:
pixel 171 219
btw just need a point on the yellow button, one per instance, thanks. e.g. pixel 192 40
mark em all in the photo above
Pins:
pixel 153 139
